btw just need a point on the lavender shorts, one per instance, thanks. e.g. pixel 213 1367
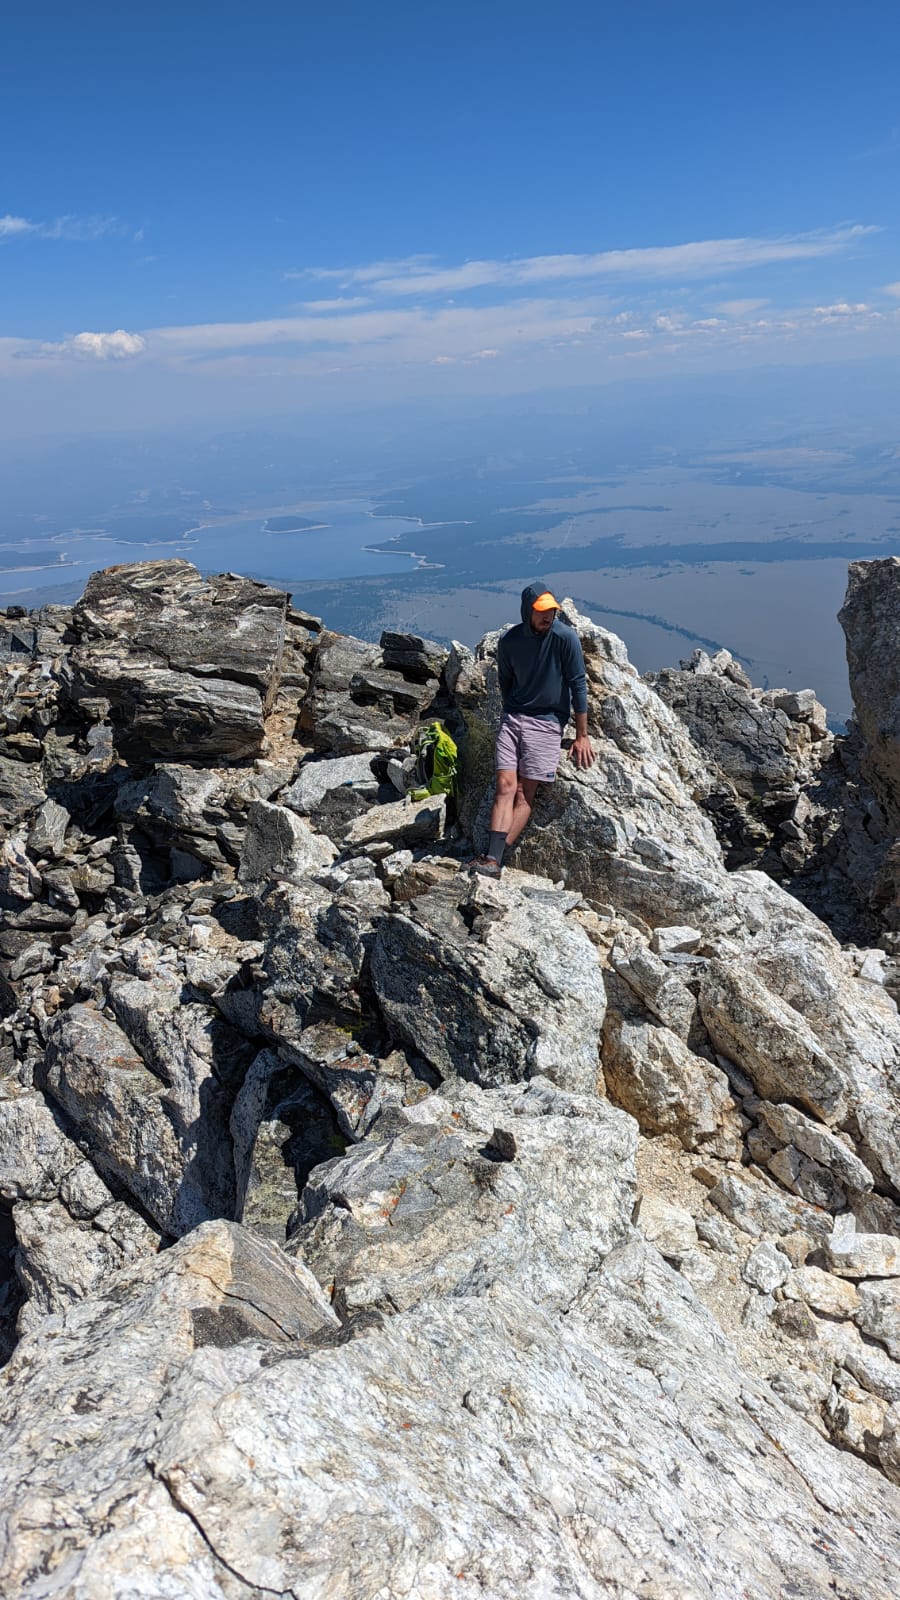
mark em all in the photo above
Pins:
pixel 529 746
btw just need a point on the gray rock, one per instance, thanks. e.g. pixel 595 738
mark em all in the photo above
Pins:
pixel 868 1363
pixel 669 1227
pixel 218 1288
pixel 879 1313
pixel 21 790
pixel 807 1178
pixel 281 1128
pixel 424 1208
pixel 790 1126
pixel 756 745
pixel 756 1209
pixel 823 1291
pixel 675 941
pixel 317 949
pixel 94 1074
pixel 864 1255
pixel 185 663
pixel 400 822
pixel 354 703
pixel 62 1258
pixel 766 1268
pixel 317 778
pixel 489 986
pixel 664 993
pixel 279 844
pixel 869 620
pixel 770 1041
pixel 47 834
pixel 650 1072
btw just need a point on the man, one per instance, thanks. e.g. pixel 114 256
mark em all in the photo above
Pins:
pixel 542 678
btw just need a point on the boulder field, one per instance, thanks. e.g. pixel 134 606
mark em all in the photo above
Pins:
pixel 370 1231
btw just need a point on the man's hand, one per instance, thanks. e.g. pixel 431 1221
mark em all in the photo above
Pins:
pixel 582 751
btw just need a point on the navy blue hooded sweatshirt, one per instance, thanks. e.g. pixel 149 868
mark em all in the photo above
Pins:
pixel 541 674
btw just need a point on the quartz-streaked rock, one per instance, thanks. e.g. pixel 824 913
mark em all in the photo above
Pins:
pixel 317 778
pixel 864 1255
pixel 279 844
pixel 650 1072
pixel 766 1268
pixel 244 1439
pixel 423 1206
pixel 669 1227
pixel 488 985
pixel 770 1041
pixel 879 1313
pixel 218 1287
pixel 834 1297
pixel 790 1126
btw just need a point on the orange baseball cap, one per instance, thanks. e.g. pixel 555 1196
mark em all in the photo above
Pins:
pixel 545 602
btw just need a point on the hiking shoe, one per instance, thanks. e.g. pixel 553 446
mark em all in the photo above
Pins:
pixel 486 866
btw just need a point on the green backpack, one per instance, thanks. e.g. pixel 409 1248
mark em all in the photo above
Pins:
pixel 435 771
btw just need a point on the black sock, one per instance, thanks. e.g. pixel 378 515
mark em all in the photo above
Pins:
pixel 495 848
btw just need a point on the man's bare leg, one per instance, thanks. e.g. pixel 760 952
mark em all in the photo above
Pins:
pixel 504 801
pixel 523 802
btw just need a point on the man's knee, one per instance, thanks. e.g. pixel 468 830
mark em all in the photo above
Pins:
pixel 507 783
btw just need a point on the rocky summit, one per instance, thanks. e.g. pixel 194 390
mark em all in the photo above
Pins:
pixel 373 1231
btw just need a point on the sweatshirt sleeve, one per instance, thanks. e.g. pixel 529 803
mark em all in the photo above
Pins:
pixel 504 670
pixel 576 677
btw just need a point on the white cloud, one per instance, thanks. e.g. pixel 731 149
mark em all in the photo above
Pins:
pixel 841 308
pixel 739 308
pixel 375 269
pixel 13 225
pixel 418 275
pixel 68 227
pixel 347 304
pixel 892 289
pixel 118 346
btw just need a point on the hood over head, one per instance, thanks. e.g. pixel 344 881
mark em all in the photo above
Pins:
pixel 530 596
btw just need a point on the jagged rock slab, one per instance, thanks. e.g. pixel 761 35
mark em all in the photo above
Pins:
pixel 372 1466
pixel 763 749
pixel 489 985
pixel 434 1202
pixel 145 1128
pixel 318 778
pixel 870 618
pixel 279 844
pixel 355 703
pixel 186 664
pixel 82 1504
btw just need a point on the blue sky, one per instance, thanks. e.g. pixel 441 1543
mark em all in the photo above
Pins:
pixel 235 209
